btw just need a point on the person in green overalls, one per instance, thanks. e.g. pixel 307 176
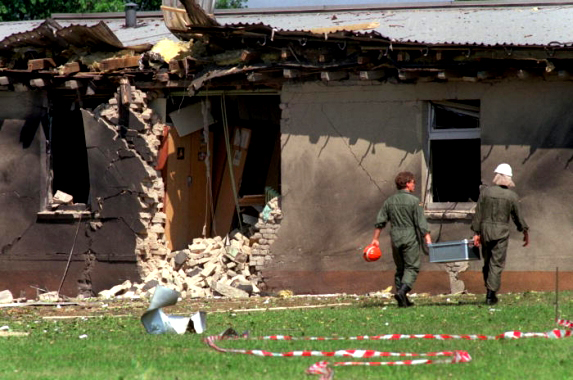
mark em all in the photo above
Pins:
pixel 490 224
pixel 406 216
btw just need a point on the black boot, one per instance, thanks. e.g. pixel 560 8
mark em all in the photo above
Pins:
pixel 408 302
pixel 490 298
pixel 401 296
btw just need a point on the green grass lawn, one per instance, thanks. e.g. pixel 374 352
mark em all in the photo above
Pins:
pixel 119 347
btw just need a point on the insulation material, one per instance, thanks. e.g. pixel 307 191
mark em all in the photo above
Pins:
pixel 169 49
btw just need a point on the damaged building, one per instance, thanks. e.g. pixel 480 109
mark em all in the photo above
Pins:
pixel 317 109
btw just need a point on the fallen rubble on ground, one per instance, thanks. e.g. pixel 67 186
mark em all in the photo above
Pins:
pixel 229 267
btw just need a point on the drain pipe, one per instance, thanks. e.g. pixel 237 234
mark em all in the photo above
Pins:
pixel 131 15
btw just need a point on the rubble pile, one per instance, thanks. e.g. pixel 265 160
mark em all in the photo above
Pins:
pixel 229 267
pixel 208 267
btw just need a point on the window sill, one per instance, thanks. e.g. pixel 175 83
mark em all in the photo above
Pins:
pixel 64 215
pixel 452 211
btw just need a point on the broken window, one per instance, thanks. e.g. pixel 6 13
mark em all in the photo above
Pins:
pixel 454 152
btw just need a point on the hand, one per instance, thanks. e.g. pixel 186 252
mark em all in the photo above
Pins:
pixel 428 239
pixel 525 238
pixel 477 240
pixel 375 242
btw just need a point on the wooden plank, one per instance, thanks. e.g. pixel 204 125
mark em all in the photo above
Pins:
pixel 291 73
pixel 186 188
pixel 225 209
pixel 72 84
pixel 111 64
pixel 199 197
pixel 162 77
pixel 125 91
pixel 72 67
pixel 176 66
pixel 40 64
pixel 249 55
pixel 252 200
pixel 372 75
pixel 333 75
pixel 37 82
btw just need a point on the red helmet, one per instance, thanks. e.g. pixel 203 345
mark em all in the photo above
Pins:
pixel 372 253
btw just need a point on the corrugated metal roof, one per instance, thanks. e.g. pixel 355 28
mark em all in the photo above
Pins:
pixel 534 25
pixel 446 23
pixel 148 30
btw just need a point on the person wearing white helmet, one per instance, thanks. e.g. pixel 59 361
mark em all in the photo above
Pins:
pixel 490 224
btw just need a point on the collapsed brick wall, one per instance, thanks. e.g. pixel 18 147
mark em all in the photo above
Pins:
pixel 266 230
pixel 228 266
pixel 141 140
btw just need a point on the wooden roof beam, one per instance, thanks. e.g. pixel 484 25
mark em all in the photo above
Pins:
pixel 331 76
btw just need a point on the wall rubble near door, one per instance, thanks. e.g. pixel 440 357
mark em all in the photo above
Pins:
pixel 210 266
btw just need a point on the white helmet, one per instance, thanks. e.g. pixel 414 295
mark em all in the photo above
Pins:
pixel 504 169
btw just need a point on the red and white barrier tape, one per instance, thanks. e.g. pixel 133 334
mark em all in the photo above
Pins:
pixel 322 368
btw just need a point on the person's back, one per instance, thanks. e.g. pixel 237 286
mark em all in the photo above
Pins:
pixel 401 208
pixel 497 204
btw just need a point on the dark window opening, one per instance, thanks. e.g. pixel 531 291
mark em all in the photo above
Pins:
pixel 456 170
pixel 455 150
pixel 69 161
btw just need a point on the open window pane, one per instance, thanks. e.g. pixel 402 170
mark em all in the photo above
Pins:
pixel 456 170
pixel 454 118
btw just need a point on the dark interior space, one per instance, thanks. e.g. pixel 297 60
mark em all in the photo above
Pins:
pixel 456 170
pixel 67 145
pixel 261 115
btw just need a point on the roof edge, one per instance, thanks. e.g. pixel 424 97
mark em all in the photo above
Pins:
pixel 394 6
pixel 327 8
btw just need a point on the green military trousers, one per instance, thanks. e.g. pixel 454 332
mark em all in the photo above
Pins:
pixel 494 253
pixel 406 253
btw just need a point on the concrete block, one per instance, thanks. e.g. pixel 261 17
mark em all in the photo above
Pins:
pixel 228 291
pixel 6 296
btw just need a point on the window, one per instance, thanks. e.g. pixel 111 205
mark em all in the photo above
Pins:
pixel 454 153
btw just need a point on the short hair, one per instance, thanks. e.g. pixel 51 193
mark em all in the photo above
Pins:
pixel 402 179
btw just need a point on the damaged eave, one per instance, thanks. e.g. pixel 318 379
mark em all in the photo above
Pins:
pixel 260 52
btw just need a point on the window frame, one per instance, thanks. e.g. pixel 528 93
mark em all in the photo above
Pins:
pixel 447 210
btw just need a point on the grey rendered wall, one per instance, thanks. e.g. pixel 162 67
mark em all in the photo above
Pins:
pixel 343 143
pixel 21 146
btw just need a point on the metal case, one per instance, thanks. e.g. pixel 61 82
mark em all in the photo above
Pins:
pixel 450 251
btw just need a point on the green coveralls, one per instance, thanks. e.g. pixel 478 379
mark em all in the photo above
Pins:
pixel 495 206
pixel 406 217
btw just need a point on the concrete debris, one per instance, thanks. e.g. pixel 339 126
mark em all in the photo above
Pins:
pixel 229 267
pixel 61 198
pixel 206 261
pixel 6 296
pixel 49 297
pixel 454 269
